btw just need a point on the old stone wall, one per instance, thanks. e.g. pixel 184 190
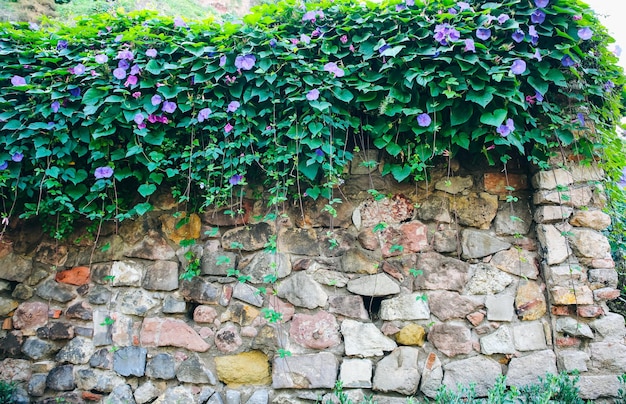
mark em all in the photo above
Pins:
pixel 457 280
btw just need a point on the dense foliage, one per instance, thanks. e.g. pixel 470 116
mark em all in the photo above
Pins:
pixel 94 117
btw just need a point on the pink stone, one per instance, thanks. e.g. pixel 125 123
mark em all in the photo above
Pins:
pixel 567 342
pixel 476 318
pixel 406 238
pixel 204 314
pixel 561 310
pixel 206 332
pixel 30 316
pixel 76 276
pixel 171 332
pixel 285 308
pixel 602 263
pixel 606 294
pixel 318 331
pixel 497 183
pixel 590 311
pixel 249 332
pixel 227 339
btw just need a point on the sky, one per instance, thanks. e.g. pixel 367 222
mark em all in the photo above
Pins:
pixel 611 13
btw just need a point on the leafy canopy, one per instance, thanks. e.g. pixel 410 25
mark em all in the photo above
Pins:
pixel 93 118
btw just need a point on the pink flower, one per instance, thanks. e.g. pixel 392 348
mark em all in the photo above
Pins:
pixel 343 39
pixel 233 106
pixel 131 81
pixel 136 94
pixel 151 53
pixel 18 81
pixel 313 94
pixel 101 58
pixel 228 127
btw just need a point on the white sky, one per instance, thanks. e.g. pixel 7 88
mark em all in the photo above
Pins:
pixel 611 13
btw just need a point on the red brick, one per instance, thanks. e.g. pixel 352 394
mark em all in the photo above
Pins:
pixel 7 324
pixel 76 276
pixel 567 342
pixel 606 294
pixel 89 396
pixel 590 311
pixel 496 183
pixel 561 310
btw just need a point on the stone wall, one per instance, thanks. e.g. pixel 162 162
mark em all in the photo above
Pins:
pixel 462 279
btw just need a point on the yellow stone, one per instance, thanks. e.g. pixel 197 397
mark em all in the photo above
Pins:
pixel 411 334
pixel 248 368
pixel 180 228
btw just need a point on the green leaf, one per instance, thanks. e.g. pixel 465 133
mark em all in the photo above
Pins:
pixel 400 172
pixel 482 98
pixel 538 84
pixel 343 94
pixel 93 96
pixel 495 118
pixel 142 208
pixel 146 189
pixel 461 114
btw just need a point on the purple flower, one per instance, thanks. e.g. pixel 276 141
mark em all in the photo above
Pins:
pixel 228 127
pixel 332 67
pixel 61 45
pixel 533 32
pixel 567 61
pixel 75 92
pixel 272 43
pixel 502 18
pixel 410 3
pixel 585 33
pixel 179 22
pixel 312 15
pixel 581 119
pixel 424 120
pixel 319 152
pixel 538 96
pixel 119 38
pixel 400 7
pixel 343 39
pixel 203 114
pixel 617 50
pixel 609 85
pixel 169 107
pixel 469 45
pixel 151 53
pixel 505 129
pixel 123 64
pixel 518 36
pixel 17 157
pixel 18 81
pixel 156 100
pixel 135 69
pixel 537 55
pixel 245 62
pixel 55 106
pixel 452 11
pixel 621 183
pixel 538 17
pixel 313 94
pixel 541 3
pixel 101 58
pixel 463 5
pixel 235 179
pixel 518 66
pixel 233 106
pixel 131 81
pixel 79 69
pixel 383 48
pixel 303 38
pixel 103 172
pixel 138 118
pixel 119 73
pixel 483 33
pixel 4 165
pixel 445 33
pixel 125 55
pixel 222 60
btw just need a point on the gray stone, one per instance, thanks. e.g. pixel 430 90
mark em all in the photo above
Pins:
pixel 7 306
pixel 550 179
pixel 37 384
pixel 514 261
pixel 200 290
pixel 248 293
pixel 37 349
pixel 356 373
pixel 358 261
pixel 577 197
pixel 78 351
pixel 529 336
pixel 215 399
pixel 589 243
pixel 80 310
pixel 102 359
pixel 564 275
pixel 405 307
pixel 51 290
pixel 61 378
pixel 364 339
pixel 251 237
pixel 555 246
pixel 233 397
pixel 300 290
pixel 432 376
pixel 146 392
pixel 330 278
pixel 103 381
pixel 478 244
pixel 397 372
pixel 572 361
pixel 177 394
pixel 500 341
pixel 476 210
pixel 192 370
pixel 451 339
pixel 454 185
pixel 552 214
pixel 603 278
pixel 610 326
pixel 445 241
pixel 358 166
pixel 174 305
pixel 259 396
pixel 374 285
pixel 593 387
pixel 348 306
pixel 16 370
pixel 130 360
pixel 23 292
pixel 451 305
pixel 267 263
pixel 527 369
pixel 136 302
pixel 479 370
pixel 99 295
pixel 607 357
pixel 101 331
pixel 161 366
pixel 500 307
pixel 126 273
pixel 488 280
pixel 435 209
pixel 310 371
pixel 152 247
pixel 594 219
pixel 586 173
pixel 298 241
pixel 572 327
pixel 162 275
pixel 440 273
pixel 513 218
pixel 218 262
pixel 15 267
pixel 121 394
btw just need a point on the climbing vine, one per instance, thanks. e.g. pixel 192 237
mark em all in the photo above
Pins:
pixel 95 117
